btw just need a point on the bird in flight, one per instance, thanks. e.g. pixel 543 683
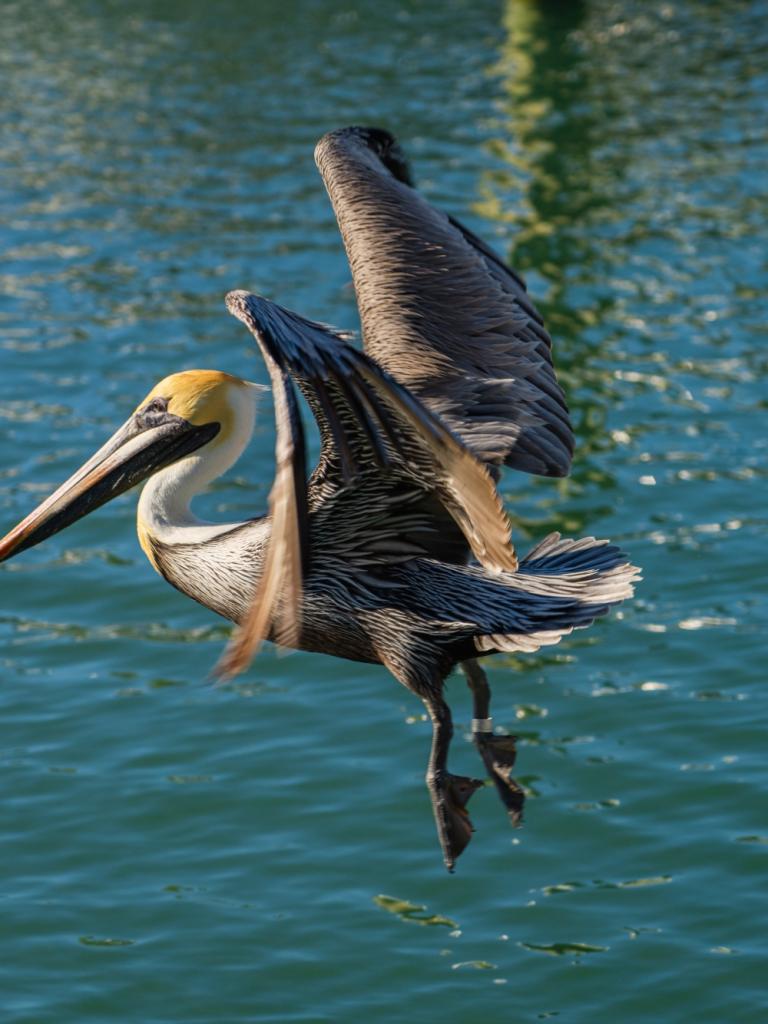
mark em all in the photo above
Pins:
pixel 395 549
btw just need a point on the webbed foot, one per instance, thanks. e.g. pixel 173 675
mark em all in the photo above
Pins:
pixel 450 796
pixel 498 754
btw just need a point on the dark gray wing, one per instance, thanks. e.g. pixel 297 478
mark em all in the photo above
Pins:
pixel 441 311
pixel 367 421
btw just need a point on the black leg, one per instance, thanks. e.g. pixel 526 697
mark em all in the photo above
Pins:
pixel 481 691
pixel 498 752
pixel 450 793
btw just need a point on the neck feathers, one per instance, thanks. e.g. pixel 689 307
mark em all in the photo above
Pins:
pixel 165 512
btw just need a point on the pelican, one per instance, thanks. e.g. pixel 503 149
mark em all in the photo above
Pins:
pixel 396 549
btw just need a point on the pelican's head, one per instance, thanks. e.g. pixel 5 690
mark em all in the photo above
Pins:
pixel 182 414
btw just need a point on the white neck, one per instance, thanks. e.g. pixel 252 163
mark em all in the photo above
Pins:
pixel 165 503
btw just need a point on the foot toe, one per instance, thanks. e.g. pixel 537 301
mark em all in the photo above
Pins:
pixel 498 754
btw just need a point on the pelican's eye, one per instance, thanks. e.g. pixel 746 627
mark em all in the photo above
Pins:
pixel 153 414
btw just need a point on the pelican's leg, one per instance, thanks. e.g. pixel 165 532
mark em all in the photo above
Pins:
pixel 498 752
pixel 450 793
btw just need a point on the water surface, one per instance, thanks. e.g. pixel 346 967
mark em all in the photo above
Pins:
pixel 265 852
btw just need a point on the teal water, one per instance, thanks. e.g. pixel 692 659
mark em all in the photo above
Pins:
pixel 265 852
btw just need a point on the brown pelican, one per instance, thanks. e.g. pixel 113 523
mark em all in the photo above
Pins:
pixel 396 549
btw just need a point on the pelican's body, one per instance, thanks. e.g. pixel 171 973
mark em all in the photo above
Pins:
pixel 370 558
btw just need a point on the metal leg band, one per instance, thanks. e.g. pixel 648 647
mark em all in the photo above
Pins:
pixel 482 725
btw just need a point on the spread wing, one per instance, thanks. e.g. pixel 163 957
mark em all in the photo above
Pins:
pixel 442 312
pixel 366 420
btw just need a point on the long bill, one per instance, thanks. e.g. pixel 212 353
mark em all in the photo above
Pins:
pixel 131 455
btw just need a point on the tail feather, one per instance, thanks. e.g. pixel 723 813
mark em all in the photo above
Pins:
pixel 564 585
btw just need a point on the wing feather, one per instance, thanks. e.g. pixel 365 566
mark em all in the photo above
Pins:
pixel 275 606
pixel 442 312
pixel 367 420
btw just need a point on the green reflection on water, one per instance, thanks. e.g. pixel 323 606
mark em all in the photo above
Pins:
pixel 541 189
pixel 412 911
